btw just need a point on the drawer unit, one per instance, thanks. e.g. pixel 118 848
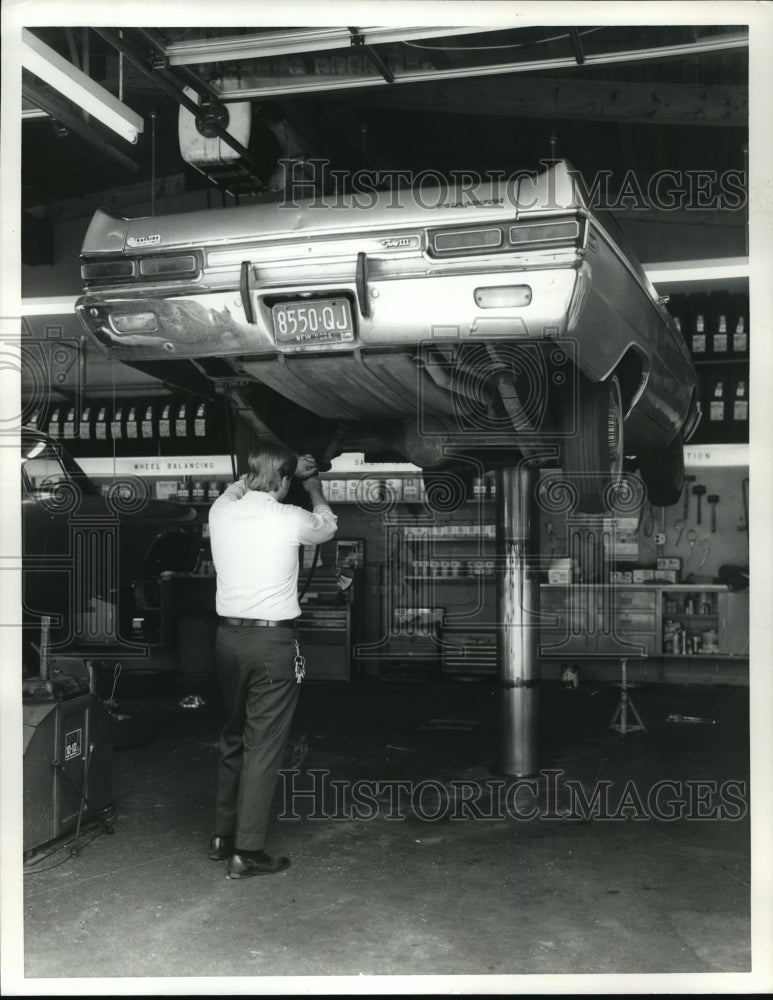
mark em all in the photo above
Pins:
pixel 639 599
pixel 468 653
pixel 575 621
pixel 555 598
pixel 603 621
pixel 562 643
pixel 624 620
pixel 627 644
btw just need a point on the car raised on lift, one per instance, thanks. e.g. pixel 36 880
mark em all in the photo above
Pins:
pixel 458 332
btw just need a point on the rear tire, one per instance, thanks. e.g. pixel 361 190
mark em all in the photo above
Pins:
pixel 662 471
pixel 592 458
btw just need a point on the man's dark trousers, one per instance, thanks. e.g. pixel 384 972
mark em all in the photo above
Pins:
pixel 257 678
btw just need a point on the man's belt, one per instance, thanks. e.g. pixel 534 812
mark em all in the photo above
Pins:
pixel 257 622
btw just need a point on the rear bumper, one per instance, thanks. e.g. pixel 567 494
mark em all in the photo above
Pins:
pixel 387 313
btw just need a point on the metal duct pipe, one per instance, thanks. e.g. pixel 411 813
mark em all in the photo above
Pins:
pixel 517 614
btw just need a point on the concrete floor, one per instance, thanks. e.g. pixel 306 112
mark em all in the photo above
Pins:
pixel 409 896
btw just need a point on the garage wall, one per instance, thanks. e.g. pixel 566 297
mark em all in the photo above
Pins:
pixel 63 277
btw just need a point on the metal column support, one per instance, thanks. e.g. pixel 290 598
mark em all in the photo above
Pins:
pixel 517 616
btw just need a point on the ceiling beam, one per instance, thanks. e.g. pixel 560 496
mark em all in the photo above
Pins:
pixel 259 86
pixel 590 100
pixel 300 40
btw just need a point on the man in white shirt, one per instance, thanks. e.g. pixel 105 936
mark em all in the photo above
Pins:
pixel 255 541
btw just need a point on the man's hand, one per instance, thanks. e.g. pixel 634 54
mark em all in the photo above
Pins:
pixel 313 485
pixel 306 467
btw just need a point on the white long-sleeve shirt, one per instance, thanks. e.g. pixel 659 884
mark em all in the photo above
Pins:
pixel 255 541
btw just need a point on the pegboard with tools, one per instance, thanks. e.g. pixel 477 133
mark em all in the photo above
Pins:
pixel 707 529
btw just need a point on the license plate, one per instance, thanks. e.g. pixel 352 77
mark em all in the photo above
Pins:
pixel 313 321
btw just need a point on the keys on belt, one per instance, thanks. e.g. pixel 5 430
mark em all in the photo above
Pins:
pixel 299 662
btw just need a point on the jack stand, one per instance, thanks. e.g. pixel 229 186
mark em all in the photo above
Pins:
pixel 624 705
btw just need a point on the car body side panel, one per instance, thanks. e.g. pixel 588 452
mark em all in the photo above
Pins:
pixel 326 216
pixel 615 320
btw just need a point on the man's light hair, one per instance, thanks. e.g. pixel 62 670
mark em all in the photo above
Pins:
pixel 268 465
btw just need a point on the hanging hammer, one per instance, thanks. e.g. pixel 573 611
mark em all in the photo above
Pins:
pixel 686 509
pixel 713 499
pixel 698 492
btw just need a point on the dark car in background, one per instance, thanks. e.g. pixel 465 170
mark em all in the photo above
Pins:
pixel 444 329
pixel 93 563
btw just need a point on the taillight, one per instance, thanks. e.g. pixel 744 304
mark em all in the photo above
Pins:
pixel 186 265
pixel 512 237
pixel 467 239
pixel 157 267
pixel 108 269
pixel 547 232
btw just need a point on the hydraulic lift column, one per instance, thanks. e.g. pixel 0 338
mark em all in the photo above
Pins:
pixel 517 616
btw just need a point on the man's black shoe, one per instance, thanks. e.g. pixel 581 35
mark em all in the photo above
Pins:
pixel 263 864
pixel 221 848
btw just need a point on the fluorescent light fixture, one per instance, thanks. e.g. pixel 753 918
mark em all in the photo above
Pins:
pixel 718 269
pixel 79 88
pixel 49 305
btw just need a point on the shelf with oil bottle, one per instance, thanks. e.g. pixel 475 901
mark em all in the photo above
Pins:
pixel 442 551
pixel 690 624
pixel 716 330
pixel 126 427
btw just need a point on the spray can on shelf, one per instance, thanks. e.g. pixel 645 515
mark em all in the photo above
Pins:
pixel 717 410
pixel 740 410
pixel 699 322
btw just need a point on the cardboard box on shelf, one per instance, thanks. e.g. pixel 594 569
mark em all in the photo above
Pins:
pixel 560 571
pixel 394 488
pixel 337 489
pixel 411 488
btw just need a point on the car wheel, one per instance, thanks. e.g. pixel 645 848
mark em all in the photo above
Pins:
pixel 592 456
pixel 662 471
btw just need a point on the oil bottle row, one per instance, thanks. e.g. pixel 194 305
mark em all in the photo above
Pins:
pixel 163 427
pixel 724 403
pixel 715 326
